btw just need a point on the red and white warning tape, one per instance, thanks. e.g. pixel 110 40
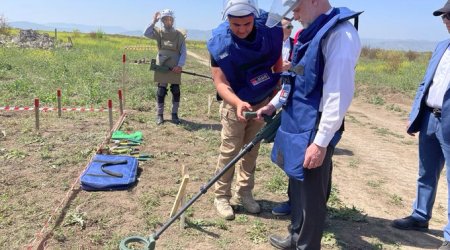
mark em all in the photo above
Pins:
pixel 138 47
pixel 47 109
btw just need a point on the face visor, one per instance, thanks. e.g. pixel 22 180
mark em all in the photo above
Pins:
pixel 280 9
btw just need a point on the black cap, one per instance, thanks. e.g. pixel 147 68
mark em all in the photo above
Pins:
pixel 443 10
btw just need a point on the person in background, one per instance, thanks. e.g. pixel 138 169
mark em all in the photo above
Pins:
pixel 315 98
pixel 288 43
pixel 244 56
pixel 171 53
pixel 430 116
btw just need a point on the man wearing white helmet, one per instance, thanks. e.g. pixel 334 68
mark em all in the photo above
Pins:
pixel 244 56
pixel 316 96
pixel 172 54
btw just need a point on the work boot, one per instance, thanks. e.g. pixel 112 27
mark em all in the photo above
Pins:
pixel 159 120
pixel 282 243
pixel 246 200
pixel 224 209
pixel 175 118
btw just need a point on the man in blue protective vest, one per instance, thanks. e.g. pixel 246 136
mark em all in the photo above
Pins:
pixel 430 116
pixel 245 54
pixel 315 98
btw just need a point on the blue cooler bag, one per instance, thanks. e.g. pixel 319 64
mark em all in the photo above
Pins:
pixel 110 172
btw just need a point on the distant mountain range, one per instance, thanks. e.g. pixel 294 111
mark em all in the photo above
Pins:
pixel 204 35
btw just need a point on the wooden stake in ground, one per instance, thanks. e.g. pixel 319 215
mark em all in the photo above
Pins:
pixel 185 174
pixel 124 61
pixel 58 96
pixel 120 102
pixel 110 114
pixel 36 112
pixel 180 196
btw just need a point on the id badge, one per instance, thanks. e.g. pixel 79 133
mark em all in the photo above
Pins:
pixel 285 90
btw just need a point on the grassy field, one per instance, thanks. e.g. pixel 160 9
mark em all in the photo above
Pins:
pixel 91 73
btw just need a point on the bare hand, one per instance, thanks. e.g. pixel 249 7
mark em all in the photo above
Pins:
pixel 156 17
pixel 314 156
pixel 177 69
pixel 269 109
pixel 286 65
pixel 240 108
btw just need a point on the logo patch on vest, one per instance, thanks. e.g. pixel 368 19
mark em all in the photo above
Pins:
pixel 259 79
pixel 222 56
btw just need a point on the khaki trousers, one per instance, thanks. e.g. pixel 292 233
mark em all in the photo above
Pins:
pixel 234 136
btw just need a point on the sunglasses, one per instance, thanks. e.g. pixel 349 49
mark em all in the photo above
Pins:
pixel 446 16
pixel 289 26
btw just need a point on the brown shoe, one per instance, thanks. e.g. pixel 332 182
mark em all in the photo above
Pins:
pixel 246 200
pixel 224 209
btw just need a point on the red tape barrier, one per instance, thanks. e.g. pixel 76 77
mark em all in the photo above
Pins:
pixel 45 109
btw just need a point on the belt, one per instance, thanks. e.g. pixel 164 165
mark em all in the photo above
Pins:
pixel 435 111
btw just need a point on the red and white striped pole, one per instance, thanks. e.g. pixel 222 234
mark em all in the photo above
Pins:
pixel 124 60
pixel 58 95
pixel 110 115
pixel 120 102
pixel 36 112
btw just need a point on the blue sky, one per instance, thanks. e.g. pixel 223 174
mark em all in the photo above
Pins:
pixel 383 19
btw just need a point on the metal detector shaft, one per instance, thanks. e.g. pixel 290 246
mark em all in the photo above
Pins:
pixel 205 187
pixel 195 74
pixel 155 67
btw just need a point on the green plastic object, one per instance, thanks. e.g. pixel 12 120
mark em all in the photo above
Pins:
pixel 121 135
pixel 148 243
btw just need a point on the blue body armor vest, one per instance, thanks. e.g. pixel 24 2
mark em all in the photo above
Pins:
pixel 247 65
pixel 300 115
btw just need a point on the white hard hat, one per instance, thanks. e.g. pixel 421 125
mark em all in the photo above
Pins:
pixel 279 10
pixel 167 12
pixel 240 8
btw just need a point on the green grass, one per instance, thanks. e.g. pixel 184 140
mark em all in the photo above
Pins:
pixel 391 71
pixel 88 74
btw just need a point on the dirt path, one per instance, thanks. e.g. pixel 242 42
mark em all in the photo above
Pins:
pixel 199 58
pixel 376 170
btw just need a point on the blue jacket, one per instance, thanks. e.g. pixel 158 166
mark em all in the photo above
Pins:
pixel 415 117
pixel 301 113
pixel 247 65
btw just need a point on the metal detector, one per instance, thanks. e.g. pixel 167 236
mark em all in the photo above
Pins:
pixel 267 133
pixel 155 67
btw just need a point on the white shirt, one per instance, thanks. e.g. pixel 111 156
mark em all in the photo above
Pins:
pixel 341 50
pixel 286 49
pixel 440 83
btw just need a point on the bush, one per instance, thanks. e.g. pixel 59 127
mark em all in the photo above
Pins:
pixel 4 27
pixel 99 34
pixel 76 33
pixel 411 55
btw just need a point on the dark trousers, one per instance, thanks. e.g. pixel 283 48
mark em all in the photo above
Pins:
pixel 308 204
pixel 328 189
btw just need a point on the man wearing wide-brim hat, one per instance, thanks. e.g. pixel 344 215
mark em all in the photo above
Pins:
pixel 430 116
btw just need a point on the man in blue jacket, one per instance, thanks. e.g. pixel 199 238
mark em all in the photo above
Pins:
pixel 430 116
pixel 244 56
pixel 315 98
